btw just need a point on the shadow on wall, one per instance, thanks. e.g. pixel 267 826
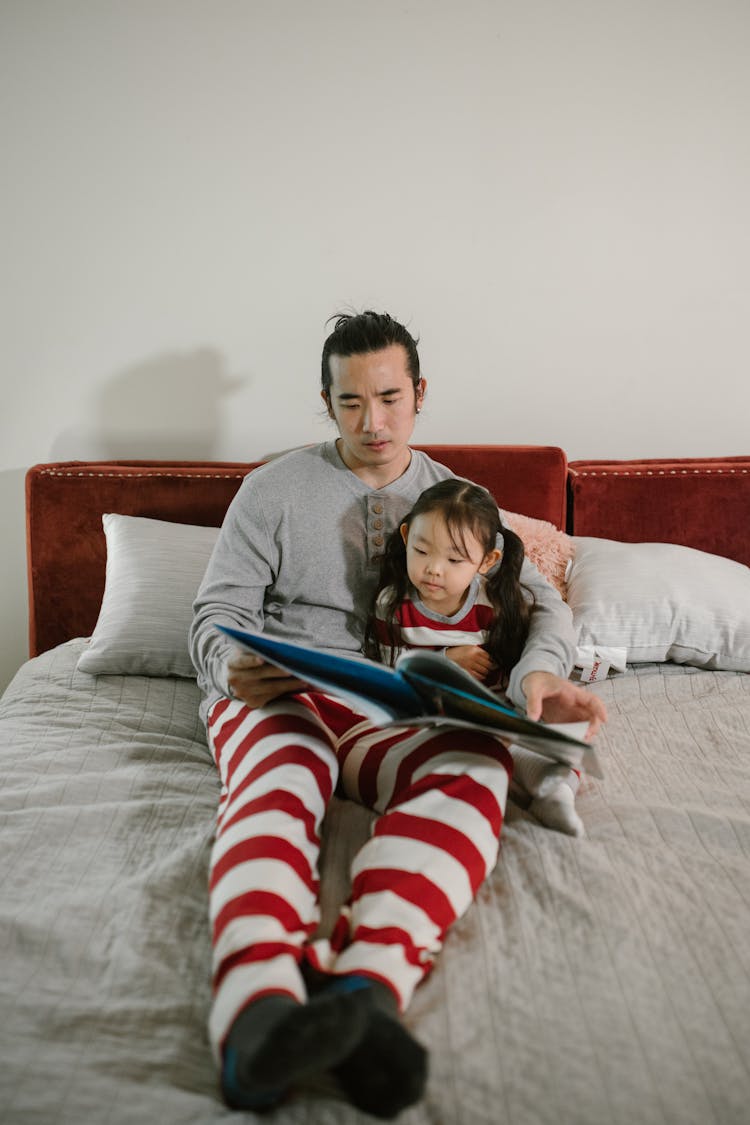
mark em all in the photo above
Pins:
pixel 167 409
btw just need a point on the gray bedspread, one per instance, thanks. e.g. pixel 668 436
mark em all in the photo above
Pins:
pixel 596 980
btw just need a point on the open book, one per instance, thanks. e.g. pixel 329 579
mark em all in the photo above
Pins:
pixel 424 689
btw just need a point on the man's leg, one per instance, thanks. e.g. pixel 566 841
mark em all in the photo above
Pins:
pixel 278 771
pixel 441 795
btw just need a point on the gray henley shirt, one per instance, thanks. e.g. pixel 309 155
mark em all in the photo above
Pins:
pixel 298 557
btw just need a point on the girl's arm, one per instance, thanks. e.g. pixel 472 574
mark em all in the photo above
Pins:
pixel 472 658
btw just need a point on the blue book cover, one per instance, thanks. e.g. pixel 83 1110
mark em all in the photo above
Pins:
pixel 425 688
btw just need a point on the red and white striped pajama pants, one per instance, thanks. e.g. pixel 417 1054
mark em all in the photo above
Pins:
pixel 441 794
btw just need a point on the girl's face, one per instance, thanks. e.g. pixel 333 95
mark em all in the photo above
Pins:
pixel 439 569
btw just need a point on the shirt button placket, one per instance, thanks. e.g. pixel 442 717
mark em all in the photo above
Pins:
pixel 376 523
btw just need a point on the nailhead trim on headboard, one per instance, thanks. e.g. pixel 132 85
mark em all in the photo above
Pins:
pixel 653 472
pixel 169 476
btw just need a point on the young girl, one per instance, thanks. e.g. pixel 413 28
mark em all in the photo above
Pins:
pixel 446 585
pixel 440 586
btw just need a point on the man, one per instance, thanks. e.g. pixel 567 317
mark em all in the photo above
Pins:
pixel 298 556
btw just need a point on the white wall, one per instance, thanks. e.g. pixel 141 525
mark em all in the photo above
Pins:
pixel 553 194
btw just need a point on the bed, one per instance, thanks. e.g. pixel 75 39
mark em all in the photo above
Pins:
pixel 597 979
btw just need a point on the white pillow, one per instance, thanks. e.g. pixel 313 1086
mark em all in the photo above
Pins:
pixel 661 602
pixel 154 569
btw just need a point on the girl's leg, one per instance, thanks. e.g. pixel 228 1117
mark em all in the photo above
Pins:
pixel 548 789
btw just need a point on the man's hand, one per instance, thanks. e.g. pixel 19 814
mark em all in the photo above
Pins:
pixel 255 682
pixel 555 700
pixel 472 659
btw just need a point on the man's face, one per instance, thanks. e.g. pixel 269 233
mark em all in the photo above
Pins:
pixel 373 402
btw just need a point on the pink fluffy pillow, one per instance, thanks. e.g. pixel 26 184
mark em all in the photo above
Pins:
pixel 550 550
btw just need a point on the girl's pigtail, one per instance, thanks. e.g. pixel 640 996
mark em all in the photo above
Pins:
pixel 510 627
pixel 394 581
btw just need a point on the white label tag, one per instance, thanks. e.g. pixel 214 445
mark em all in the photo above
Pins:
pixel 593 672
pixel 596 661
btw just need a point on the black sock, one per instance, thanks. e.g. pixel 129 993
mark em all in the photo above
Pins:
pixel 274 1042
pixel 386 1071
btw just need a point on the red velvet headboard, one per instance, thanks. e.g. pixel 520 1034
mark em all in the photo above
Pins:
pixel 699 503
pixel 65 503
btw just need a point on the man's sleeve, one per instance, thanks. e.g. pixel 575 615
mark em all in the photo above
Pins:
pixel 551 643
pixel 241 568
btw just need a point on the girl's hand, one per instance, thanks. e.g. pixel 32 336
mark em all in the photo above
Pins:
pixel 473 659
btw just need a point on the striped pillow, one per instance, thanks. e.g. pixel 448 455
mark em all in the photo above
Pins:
pixel 661 602
pixel 154 569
